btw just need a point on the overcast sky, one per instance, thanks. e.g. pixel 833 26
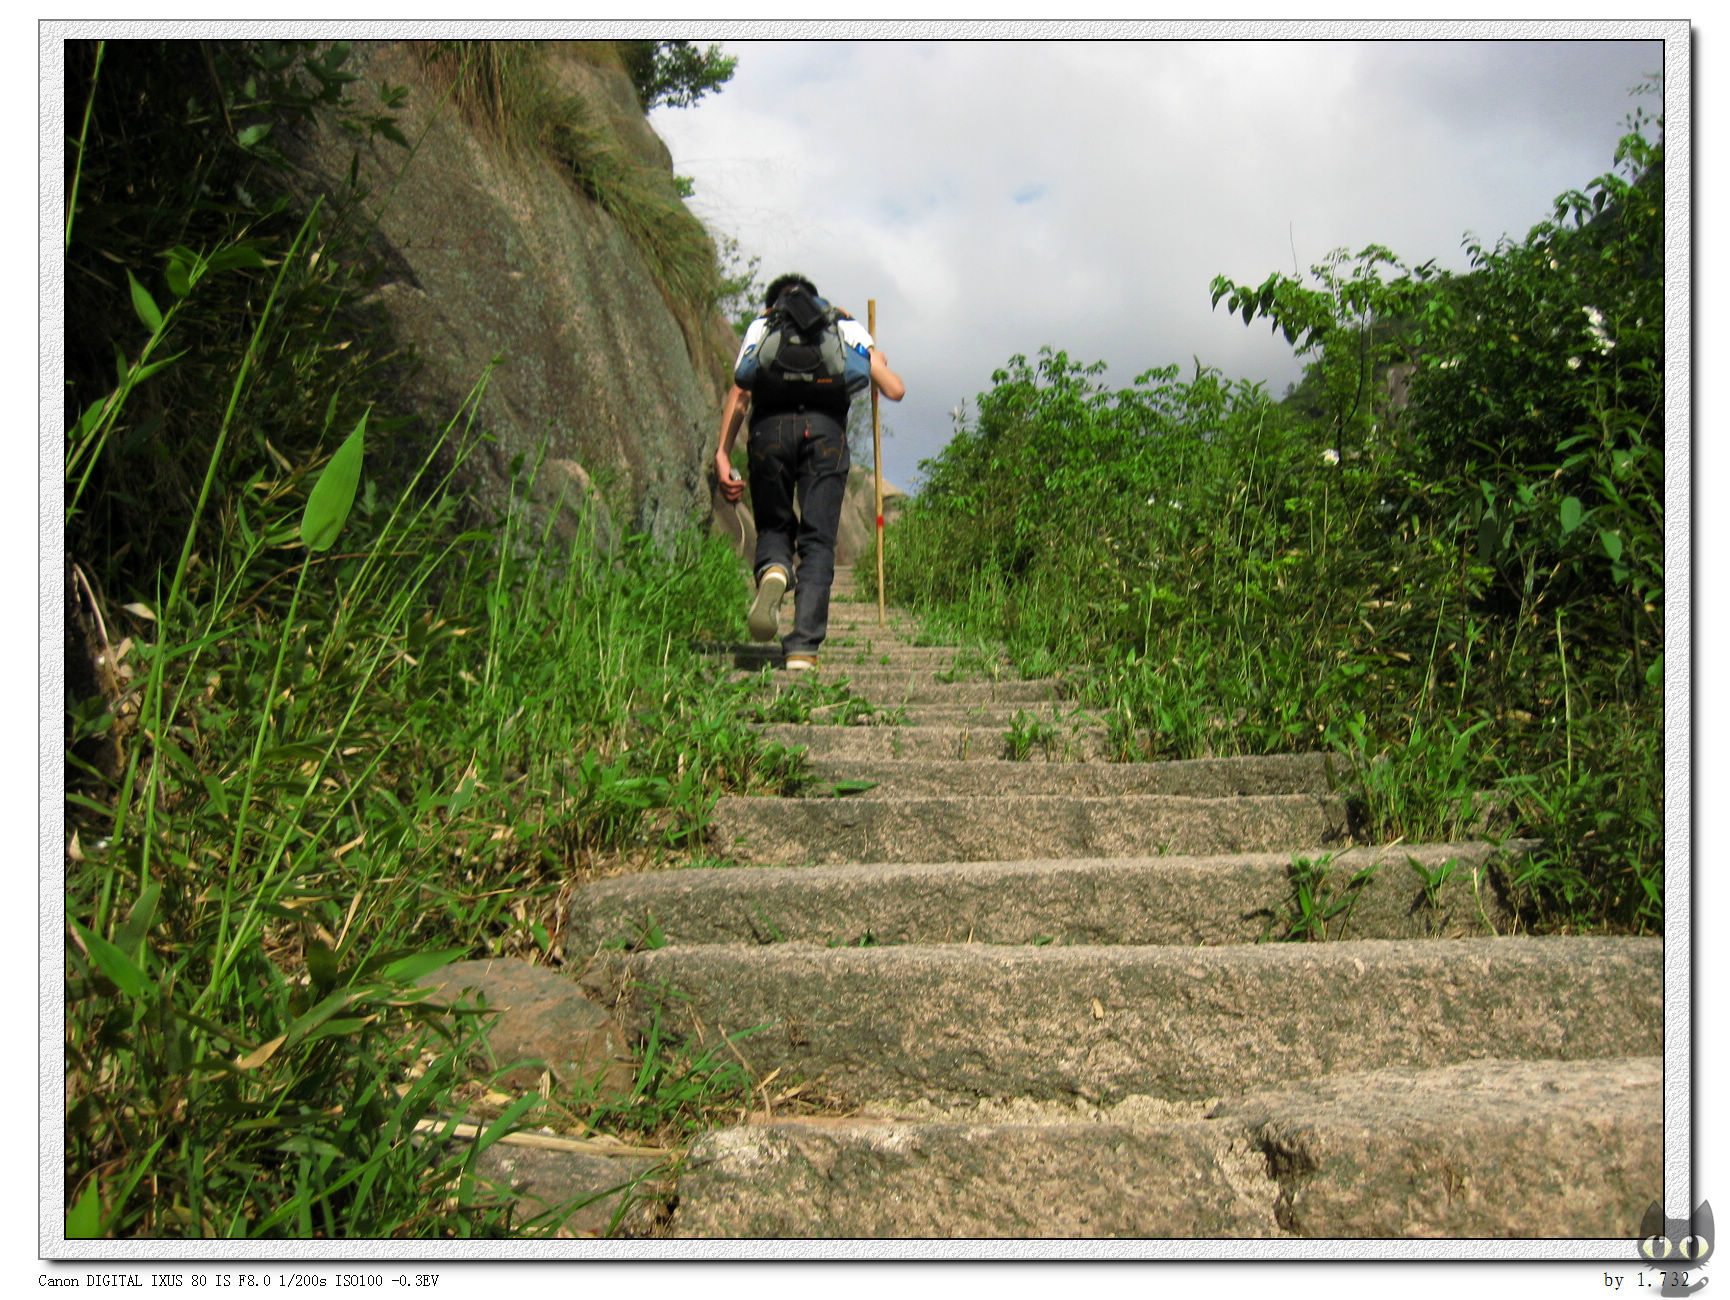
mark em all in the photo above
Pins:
pixel 994 197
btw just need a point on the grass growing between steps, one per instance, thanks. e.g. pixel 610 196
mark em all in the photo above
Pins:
pixel 343 769
pixel 325 730
pixel 1460 591
pixel 339 770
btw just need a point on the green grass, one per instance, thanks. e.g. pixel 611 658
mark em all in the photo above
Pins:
pixel 346 773
pixel 330 728
pixel 421 769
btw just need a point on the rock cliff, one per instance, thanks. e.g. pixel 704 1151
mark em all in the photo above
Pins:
pixel 496 254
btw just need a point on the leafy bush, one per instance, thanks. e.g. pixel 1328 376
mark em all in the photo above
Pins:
pixel 675 73
pixel 1464 579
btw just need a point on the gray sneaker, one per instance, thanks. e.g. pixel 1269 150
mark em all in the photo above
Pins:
pixel 765 617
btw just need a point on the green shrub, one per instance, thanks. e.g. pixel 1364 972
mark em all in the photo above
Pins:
pixel 1461 592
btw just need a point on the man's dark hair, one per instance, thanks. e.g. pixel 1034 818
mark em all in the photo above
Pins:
pixel 781 283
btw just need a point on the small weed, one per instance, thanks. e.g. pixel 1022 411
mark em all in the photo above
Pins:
pixel 840 789
pixel 807 701
pixel 646 938
pixel 1433 880
pixel 1315 904
pixel 680 1084
pixel 866 940
pixel 973 663
pixel 1025 733
pixel 769 932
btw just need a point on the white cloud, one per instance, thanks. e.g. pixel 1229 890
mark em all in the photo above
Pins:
pixel 995 197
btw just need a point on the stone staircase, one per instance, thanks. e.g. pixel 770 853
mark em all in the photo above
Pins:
pixel 1049 996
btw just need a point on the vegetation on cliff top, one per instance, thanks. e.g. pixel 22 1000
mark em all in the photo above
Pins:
pixel 505 86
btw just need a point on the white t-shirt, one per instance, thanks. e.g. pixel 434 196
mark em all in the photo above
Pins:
pixel 853 335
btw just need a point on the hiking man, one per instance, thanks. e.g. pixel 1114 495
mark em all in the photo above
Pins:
pixel 798 366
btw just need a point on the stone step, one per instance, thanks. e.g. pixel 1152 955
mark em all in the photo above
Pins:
pixel 792 832
pixel 847 626
pixel 755 660
pixel 861 612
pixel 966 1021
pixel 890 686
pixel 1488 1148
pixel 1185 901
pixel 952 743
pixel 1026 728
pixel 857 652
pixel 1045 725
pixel 1210 778
pixel 851 611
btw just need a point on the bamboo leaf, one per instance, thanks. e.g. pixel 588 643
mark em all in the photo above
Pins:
pixel 321 964
pixel 240 255
pixel 88 420
pixel 144 372
pixel 144 305
pixel 319 1014
pixel 177 275
pixel 407 970
pixel 217 794
pixel 115 964
pixel 332 496
pixel 84 1220
pixel 252 1060
pixel 335 1028
pixel 129 937
pixel 505 1122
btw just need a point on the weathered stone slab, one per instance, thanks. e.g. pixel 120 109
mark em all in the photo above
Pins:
pixel 894 685
pixel 1185 901
pixel 788 832
pixel 1481 1149
pixel 952 743
pixel 952 1180
pixel 972 1020
pixel 583 1195
pixel 1046 725
pixel 1208 778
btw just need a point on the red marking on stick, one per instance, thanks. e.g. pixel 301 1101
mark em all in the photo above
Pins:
pixel 879 522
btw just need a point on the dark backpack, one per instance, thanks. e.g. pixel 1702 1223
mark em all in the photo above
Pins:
pixel 801 357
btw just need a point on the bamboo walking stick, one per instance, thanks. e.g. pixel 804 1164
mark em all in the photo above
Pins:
pixel 877 467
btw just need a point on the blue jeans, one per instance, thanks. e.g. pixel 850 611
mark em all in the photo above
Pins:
pixel 800 456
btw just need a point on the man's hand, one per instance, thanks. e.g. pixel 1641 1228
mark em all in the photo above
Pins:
pixel 732 416
pixel 732 486
pixel 887 381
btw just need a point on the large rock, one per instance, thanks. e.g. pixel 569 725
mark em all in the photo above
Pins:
pixel 543 1023
pixel 498 256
